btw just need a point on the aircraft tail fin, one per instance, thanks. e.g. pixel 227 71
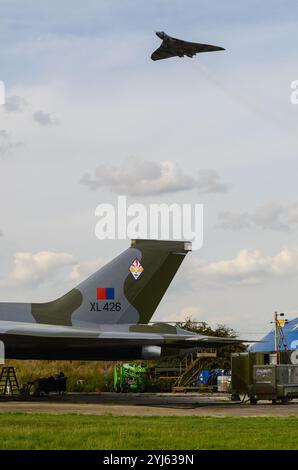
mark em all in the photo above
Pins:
pixel 127 290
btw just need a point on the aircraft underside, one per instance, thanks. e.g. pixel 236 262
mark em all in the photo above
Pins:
pixel 29 347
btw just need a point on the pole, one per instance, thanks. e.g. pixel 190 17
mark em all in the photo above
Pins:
pixel 276 336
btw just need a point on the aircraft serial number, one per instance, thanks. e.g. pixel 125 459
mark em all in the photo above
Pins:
pixel 108 307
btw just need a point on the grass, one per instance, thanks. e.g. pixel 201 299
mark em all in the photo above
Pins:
pixel 45 431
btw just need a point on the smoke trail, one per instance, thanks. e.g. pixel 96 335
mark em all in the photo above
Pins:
pixel 243 100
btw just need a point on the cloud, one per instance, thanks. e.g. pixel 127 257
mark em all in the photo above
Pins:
pixel 34 269
pixel 233 221
pixel 209 182
pixel 271 216
pixel 44 119
pixel 15 103
pixel 82 270
pixel 274 216
pixel 7 145
pixel 187 312
pixel 142 178
pixel 252 267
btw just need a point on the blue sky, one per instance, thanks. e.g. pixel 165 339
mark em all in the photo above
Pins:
pixel 85 69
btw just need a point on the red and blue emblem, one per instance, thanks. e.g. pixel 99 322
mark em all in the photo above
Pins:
pixel 105 293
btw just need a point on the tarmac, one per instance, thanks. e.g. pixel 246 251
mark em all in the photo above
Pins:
pixel 146 404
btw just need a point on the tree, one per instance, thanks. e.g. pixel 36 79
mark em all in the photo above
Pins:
pixel 223 359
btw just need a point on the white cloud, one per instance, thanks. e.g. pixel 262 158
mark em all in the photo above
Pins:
pixel 186 312
pixel 233 221
pixel 274 216
pixel 33 269
pixel 209 182
pixel 190 312
pixel 80 271
pixel 270 216
pixel 44 119
pixel 141 178
pixel 253 267
pixel 7 145
pixel 15 103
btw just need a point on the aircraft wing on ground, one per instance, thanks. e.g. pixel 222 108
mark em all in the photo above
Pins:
pixel 40 341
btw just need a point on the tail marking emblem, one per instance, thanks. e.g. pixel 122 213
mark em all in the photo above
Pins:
pixel 136 269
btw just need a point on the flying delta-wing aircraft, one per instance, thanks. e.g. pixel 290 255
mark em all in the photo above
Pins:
pixel 172 47
pixel 107 315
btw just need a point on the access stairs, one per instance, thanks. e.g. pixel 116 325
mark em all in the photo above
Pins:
pixel 192 366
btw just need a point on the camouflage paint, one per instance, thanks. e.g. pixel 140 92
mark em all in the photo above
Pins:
pixel 58 312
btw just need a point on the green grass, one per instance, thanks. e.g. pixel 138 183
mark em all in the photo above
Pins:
pixel 44 431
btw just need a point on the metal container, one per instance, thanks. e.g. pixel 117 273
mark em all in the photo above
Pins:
pixel 243 363
pixel 224 383
pixel 287 374
pixel 242 369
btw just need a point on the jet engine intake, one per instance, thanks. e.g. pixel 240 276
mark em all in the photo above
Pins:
pixel 151 352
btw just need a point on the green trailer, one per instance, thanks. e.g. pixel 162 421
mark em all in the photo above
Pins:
pixel 276 382
pixel 130 377
pixel 258 376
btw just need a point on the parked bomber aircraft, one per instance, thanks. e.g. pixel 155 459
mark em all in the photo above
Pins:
pixel 107 315
pixel 172 47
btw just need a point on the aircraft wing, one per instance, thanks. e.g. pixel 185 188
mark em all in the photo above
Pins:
pixel 212 341
pixel 46 342
pixel 196 47
pixel 162 53
pixel 8 328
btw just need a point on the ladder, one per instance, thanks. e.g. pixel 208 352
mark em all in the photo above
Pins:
pixel 8 382
pixel 193 365
pixel 189 373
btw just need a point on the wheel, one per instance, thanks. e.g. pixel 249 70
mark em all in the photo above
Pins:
pixel 253 401
pixel 235 397
pixel 274 401
pixel 285 400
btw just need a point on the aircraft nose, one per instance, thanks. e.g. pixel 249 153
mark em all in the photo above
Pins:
pixel 160 34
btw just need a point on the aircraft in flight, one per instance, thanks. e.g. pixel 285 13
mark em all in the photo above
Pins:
pixel 106 317
pixel 172 47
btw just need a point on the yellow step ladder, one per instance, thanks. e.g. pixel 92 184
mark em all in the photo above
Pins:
pixel 8 382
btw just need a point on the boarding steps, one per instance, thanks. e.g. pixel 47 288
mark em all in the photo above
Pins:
pixel 192 366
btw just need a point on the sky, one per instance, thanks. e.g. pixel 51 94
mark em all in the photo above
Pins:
pixel 84 101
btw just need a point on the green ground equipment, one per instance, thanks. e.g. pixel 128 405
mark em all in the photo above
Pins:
pixel 130 377
pixel 259 376
pixel 276 382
